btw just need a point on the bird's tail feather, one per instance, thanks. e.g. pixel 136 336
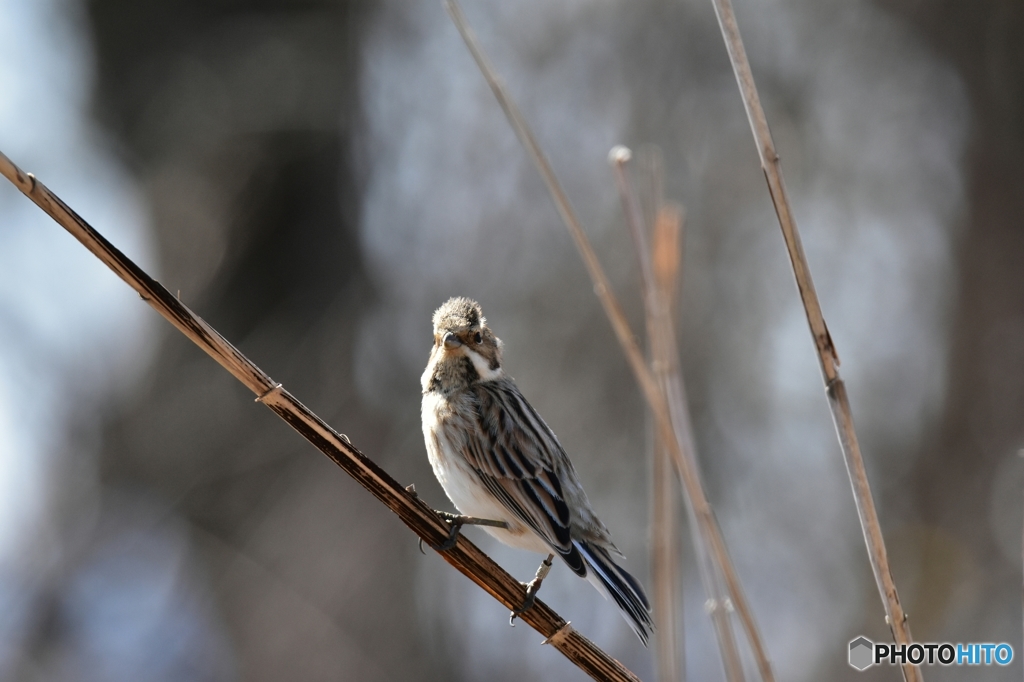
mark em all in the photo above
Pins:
pixel 618 585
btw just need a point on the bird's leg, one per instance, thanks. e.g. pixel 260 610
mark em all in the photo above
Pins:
pixel 532 588
pixel 457 521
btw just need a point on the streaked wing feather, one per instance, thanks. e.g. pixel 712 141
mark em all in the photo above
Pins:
pixel 514 453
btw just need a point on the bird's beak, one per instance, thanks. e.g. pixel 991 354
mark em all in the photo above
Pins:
pixel 451 341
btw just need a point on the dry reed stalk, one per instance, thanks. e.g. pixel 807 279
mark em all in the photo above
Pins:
pixel 839 402
pixel 729 596
pixel 665 224
pixel 703 514
pixel 419 517
pixel 659 279
pixel 666 558
pixel 666 567
pixel 666 570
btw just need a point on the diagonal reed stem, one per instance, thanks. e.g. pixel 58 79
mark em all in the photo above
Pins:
pixel 708 525
pixel 420 518
pixel 839 402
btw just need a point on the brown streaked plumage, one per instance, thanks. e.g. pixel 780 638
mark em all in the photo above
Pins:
pixel 497 459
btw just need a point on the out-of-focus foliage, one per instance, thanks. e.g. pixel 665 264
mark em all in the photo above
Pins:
pixel 317 176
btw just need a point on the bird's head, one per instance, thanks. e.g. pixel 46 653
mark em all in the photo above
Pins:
pixel 465 349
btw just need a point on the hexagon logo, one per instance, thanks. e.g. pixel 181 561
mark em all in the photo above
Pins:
pixel 862 652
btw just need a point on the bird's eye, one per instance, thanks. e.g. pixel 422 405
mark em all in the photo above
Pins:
pixel 478 338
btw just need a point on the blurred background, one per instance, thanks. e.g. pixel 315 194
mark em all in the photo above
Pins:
pixel 315 177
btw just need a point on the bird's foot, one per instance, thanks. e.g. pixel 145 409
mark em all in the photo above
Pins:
pixel 457 521
pixel 532 588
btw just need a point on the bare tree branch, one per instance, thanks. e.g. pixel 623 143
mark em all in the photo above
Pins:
pixel 420 518
pixel 828 358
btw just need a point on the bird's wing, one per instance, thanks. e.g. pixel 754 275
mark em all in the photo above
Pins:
pixel 517 458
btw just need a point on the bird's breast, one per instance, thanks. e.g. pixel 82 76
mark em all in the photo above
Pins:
pixel 444 435
pixel 444 432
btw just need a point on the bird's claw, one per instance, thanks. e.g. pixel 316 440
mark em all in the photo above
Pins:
pixel 531 597
pixel 453 535
pixel 457 521
pixel 532 588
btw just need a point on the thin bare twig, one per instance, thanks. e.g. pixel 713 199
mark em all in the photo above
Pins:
pixel 828 358
pixel 420 518
pixel 649 387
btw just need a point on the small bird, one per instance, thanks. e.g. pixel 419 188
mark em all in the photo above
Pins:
pixel 503 468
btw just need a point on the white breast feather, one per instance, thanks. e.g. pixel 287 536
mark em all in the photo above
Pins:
pixel 460 482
